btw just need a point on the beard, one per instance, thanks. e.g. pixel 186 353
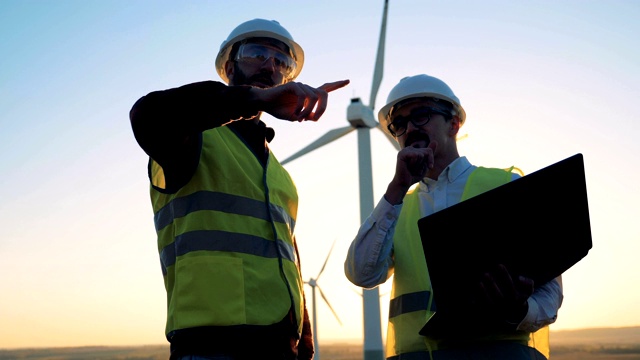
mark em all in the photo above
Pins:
pixel 261 79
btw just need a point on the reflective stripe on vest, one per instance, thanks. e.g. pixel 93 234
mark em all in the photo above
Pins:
pixel 226 239
pixel 411 280
pixel 410 302
pixel 212 240
pixel 206 239
pixel 208 200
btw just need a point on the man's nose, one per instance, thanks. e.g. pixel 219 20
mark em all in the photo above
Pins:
pixel 411 126
pixel 269 64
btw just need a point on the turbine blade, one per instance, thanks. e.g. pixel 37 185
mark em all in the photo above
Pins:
pixel 377 72
pixel 391 139
pixel 326 260
pixel 323 140
pixel 329 305
pixel 462 137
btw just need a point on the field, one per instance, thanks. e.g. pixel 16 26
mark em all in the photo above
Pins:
pixel 330 352
pixel 587 344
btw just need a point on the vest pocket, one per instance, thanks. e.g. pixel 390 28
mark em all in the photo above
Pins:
pixel 209 291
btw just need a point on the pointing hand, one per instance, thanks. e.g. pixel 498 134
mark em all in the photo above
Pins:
pixel 296 101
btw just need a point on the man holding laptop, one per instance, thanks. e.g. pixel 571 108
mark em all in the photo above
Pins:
pixel 424 116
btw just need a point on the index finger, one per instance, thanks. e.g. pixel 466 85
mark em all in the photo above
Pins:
pixel 321 105
pixel 328 87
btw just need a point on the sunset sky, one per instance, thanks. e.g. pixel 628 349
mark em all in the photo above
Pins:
pixel 539 80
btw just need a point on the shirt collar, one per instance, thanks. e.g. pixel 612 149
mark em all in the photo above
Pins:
pixel 450 173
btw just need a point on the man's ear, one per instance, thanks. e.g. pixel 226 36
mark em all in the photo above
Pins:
pixel 229 67
pixel 455 126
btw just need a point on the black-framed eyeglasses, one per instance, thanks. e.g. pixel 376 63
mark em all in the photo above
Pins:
pixel 257 54
pixel 419 116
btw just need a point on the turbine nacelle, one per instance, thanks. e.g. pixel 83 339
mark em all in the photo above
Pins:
pixel 359 115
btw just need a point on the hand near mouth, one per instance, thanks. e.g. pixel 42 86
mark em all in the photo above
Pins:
pixel 412 165
pixel 417 139
pixel 420 144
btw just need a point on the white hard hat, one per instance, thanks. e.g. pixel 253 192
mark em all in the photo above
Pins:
pixel 419 86
pixel 259 28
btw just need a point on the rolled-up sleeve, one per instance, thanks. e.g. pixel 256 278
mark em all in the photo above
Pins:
pixel 369 261
pixel 544 304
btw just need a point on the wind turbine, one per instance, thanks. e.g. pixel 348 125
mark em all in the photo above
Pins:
pixel 361 118
pixel 314 285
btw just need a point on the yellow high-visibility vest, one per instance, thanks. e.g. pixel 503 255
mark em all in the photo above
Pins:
pixel 226 239
pixel 411 303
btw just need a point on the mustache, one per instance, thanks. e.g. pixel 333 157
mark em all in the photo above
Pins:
pixel 265 79
pixel 415 136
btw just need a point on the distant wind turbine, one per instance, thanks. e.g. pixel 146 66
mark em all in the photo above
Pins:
pixel 361 118
pixel 314 285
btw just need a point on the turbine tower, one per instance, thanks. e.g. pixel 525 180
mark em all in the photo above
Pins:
pixel 361 118
pixel 313 282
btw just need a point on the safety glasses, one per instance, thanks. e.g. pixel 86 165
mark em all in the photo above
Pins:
pixel 258 54
pixel 419 116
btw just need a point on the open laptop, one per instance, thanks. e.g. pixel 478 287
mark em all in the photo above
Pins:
pixel 538 226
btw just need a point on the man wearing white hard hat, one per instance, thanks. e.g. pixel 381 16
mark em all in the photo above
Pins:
pixel 224 207
pixel 424 116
